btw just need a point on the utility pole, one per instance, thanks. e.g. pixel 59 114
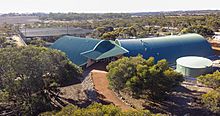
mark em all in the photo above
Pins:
pixel 25 31
pixel 67 29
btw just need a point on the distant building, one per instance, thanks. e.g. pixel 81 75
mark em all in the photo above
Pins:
pixel 215 42
pixel 217 36
pixel 52 33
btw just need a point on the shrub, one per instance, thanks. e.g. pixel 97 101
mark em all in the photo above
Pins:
pixel 211 80
pixel 211 100
pixel 97 109
pixel 142 77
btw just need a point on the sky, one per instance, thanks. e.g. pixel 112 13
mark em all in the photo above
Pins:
pixel 105 6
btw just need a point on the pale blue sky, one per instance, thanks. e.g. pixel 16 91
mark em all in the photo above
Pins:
pixel 103 6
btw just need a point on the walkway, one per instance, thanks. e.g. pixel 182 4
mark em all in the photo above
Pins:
pixel 101 84
pixel 19 41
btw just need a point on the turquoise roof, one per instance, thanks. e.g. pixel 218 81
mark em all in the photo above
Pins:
pixel 104 49
pixel 168 47
pixel 79 50
pixel 73 46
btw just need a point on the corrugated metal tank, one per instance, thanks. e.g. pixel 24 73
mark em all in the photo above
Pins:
pixel 169 47
pixel 193 66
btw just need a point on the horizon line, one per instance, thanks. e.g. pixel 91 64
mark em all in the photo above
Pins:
pixel 163 11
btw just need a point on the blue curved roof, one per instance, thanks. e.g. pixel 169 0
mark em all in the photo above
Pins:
pixel 169 47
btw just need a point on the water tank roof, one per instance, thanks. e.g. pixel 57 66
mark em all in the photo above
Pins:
pixel 194 62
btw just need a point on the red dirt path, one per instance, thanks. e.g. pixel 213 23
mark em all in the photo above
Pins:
pixel 101 84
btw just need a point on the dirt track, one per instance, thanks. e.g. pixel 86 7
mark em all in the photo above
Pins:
pixel 102 86
pixel 18 40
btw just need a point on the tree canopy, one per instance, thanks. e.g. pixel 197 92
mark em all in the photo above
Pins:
pixel 30 75
pixel 210 80
pixel 211 99
pixel 38 42
pixel 142 77
pixel 204 31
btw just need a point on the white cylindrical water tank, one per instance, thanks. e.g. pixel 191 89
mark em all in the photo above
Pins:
pixel 193 66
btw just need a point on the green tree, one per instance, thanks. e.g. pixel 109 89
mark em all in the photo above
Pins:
pixel 202 30
pixel 100 31
pixel 211 100
pixel 29 77
pixel 143 78
pixel 2 41
pixel 38 42
pixel 211 80
pixel 109 36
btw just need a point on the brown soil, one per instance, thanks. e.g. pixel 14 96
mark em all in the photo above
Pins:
pixel 101 85
pixel 72 92
pixel 184 100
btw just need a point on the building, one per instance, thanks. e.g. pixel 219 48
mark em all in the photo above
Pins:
pixel 193 66
pixel 51 34
pixel 215 41
pixel 168 47
pixel 87 50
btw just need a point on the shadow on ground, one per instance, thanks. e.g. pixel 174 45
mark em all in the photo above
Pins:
pixel 181 102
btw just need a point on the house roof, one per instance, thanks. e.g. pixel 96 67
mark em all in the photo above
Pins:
pixel 104 49
pixel 74 46
pixel 79 50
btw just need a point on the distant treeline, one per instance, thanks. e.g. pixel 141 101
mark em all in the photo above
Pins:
pixel 99 16
pixel 177 13
pixel 84 16
pixel 74 16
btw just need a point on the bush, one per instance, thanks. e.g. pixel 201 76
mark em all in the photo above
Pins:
pixel 38 42
pixel 97 109
pixel 211 100
pixel 210 80
pixel 142 77
pixel 202 30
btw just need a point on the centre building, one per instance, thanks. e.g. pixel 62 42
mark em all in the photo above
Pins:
pixel 86 51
